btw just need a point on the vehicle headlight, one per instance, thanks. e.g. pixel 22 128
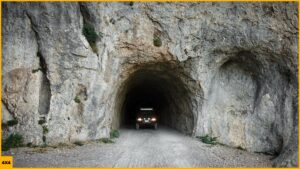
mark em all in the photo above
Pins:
pixel 139 119
pixel 153 119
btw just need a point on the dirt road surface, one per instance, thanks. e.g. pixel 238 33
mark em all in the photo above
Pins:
pixel 164 147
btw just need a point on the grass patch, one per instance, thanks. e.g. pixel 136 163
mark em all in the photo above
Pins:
pixel 12 122
pixel 114 134
pixel 105 140
pixel 45 130
pixel 77 99
pixel 79 143
pixel 157 41
pixel 208 140
pixel 13 141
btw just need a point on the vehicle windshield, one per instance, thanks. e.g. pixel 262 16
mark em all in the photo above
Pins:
pixel 146 113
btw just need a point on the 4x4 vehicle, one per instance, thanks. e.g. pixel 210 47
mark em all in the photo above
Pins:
pixel 146 116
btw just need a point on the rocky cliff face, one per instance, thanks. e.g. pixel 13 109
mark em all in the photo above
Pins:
pixel 229 70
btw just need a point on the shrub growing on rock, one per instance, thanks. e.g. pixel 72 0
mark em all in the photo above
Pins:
pixel 45 130
pixel 13 140
pixel 157 41
pixel 77 99
pixel 12 122
pixel 90 34
pixel 114 134
pixel 208 140
pixel 42 121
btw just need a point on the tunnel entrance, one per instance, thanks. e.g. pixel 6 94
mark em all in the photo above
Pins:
pixel 161 87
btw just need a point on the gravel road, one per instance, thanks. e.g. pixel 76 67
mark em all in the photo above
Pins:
pixel 164 147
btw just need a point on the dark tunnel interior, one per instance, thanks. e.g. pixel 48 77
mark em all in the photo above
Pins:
pixel 145 94
pixel 160 87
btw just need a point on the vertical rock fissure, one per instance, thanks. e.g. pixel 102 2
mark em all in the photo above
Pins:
pixel 45 90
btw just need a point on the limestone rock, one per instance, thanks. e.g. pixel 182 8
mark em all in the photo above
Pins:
pixel 224 69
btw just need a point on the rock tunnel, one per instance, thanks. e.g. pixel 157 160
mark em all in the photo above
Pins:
pixel 161 86
pixel 244 55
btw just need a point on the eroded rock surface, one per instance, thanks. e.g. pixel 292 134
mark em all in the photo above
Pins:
pixel 228 70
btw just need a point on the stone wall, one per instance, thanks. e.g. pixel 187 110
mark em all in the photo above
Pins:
pixel 232 66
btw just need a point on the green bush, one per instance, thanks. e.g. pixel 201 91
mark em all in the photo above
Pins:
pixel 12 122
pixel 114 134
pixel 207 139
pixel 90 34
pixel 45 130
pixel 42 121
pixel 157 41
pixel 77 99
pixel 14 140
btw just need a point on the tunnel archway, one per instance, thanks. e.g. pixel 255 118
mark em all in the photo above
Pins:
pixel 161 86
